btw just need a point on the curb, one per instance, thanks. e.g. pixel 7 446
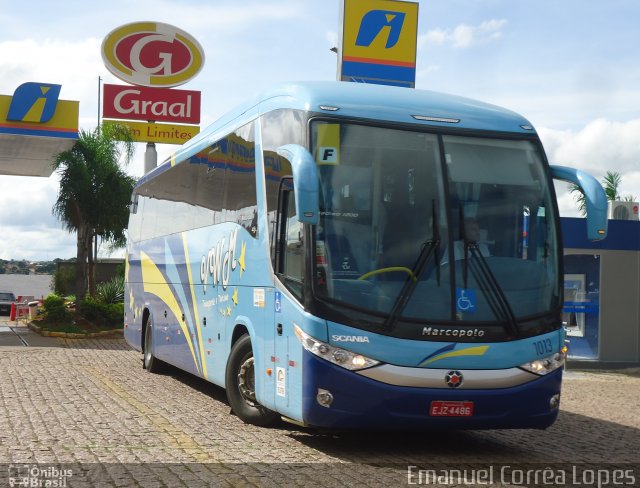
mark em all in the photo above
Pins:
pixel 70 335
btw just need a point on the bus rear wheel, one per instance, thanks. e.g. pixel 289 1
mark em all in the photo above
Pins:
pixel 149 361
pixel 240 383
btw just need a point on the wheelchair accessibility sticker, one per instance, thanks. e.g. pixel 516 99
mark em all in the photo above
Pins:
pixel 466 300
pixel 278 302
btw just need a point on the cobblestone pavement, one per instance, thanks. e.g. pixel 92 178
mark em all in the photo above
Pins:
pixel 90 402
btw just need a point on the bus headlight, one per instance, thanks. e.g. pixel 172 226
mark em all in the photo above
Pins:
pixel 545 365
pixel 341 357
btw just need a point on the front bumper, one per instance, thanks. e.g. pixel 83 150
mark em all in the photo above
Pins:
pixel 363 403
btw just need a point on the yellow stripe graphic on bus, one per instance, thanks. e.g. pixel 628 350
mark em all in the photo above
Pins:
pixel 469 351
pixel 195 306
pixel 155 284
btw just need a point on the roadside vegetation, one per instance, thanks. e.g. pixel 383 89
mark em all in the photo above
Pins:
pixel 102 312
pixel 94 197
pixel 93 202
pixel 610 182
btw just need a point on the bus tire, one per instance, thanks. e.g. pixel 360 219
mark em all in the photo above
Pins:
pixel 240 384
pixel 149 361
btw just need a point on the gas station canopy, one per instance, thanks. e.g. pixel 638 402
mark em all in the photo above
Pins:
pixel 34 127
pixel 30 155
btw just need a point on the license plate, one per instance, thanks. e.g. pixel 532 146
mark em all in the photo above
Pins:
pixel 451 409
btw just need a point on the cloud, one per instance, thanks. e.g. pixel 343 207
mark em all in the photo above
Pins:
pixel 464 36
pixel 40 61
pixel 29 229
pixel 198 18
pixel 230 18
pixel 600 146
pixel 35 244
pixel 28 201
pixel 423 75
pixel 332 37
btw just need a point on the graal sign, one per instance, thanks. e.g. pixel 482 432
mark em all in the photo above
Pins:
pixel 152 54
pixel 159 104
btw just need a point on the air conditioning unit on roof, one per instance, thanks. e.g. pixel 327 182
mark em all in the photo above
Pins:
pixel 623 210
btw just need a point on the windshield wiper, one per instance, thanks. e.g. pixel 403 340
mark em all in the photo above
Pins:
pixel 411 283
pixel 487 280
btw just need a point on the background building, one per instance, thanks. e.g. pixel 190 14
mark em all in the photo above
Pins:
pixel 602 294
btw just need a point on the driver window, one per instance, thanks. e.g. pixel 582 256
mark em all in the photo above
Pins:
pixel 293 272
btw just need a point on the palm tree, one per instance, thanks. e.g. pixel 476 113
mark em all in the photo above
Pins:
pixel 94 193
pixel 610 184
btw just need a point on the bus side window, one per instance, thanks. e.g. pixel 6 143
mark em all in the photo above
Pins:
pixel 291 256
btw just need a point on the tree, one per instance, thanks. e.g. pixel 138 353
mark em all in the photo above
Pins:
pixel 94 193
pixel 611 186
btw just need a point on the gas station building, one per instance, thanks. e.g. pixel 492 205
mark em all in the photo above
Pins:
pixel 602 294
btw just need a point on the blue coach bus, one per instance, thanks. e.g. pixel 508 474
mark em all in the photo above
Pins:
pixel 356 256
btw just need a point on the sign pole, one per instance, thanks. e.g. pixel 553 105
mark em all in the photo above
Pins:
pixel 150 157
pixel 340 42
pixel 99 100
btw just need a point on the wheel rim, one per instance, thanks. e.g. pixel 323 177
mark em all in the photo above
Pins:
pixel 246 381
pixel 147 345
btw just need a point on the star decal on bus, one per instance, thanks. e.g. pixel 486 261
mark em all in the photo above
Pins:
pixel 234 297
pixel 241 259
pixel 228 310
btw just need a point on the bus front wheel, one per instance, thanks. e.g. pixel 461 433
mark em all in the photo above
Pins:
pixel 240 383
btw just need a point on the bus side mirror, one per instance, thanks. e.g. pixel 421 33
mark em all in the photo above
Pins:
pixel 305 182
pixel 594 197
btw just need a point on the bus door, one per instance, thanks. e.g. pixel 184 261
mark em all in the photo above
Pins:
pixel 290 259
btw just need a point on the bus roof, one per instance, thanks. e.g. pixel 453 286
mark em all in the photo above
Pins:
pixel 395 104
pixel 361 101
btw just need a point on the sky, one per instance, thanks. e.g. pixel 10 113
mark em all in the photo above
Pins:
pixel 571 67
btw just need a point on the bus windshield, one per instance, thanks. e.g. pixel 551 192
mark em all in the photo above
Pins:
pixel 422 227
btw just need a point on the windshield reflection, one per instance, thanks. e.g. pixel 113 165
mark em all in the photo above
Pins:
pixel 383 209
pixel 500 202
